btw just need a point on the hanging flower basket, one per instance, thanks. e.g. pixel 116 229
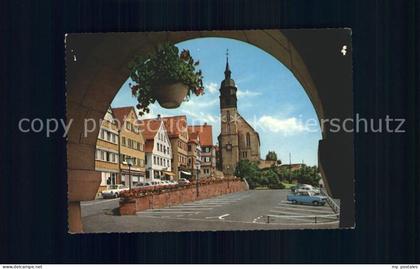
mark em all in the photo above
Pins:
pixel 166 76
pixel 170 95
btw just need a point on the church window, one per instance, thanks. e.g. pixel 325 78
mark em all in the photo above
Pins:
pixel 228 116
pixel 248 140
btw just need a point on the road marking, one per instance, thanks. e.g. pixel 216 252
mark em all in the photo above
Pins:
pixel 248 222
pixel 191 206
pixel 223 216
pixel 304 209
pixel 256 219
pixel 309 207
pixel 216 204
pixel 170 212
pixel 305 206
pixel 296 213
pixel 183 208
pixel 292 219
pixel 304 216
pixel 98 202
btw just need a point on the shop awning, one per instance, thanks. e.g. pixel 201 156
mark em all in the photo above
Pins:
pixel 186 173
pixel 169 173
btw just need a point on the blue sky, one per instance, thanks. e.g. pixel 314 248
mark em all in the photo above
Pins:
pixel 270 98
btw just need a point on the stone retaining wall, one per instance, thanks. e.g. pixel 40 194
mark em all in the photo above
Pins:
pixel 179 196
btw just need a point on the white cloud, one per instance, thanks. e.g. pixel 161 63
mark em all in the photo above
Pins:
pixel 201 103
pixel 245 93
pixel 200 117
pixel 288 126
pixel 212 87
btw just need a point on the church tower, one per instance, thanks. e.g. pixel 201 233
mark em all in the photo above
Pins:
pixel 228 139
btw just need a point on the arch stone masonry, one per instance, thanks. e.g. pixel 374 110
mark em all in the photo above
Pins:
pixel 96 68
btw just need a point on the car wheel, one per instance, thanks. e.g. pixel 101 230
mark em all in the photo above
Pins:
pixel 316 203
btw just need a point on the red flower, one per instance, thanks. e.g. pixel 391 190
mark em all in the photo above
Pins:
pixel 199 91
pixel 185 55
pixel 134 89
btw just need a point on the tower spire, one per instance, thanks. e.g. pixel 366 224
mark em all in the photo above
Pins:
pixel 227 70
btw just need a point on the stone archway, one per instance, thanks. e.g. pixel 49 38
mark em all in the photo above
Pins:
pixel 96 67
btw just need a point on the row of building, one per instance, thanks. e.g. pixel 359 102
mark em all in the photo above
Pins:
pixel 160 148
pixel 167 148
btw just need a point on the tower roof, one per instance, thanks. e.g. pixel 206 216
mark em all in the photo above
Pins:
pixel 228 81
pixel 227 69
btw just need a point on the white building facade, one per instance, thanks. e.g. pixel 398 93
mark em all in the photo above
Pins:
pixel 158 155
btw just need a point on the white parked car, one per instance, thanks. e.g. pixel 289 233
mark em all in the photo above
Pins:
pixel 113 191
pixel 307 187
pixel 183 181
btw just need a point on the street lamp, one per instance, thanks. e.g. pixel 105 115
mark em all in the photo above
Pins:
pixel 129 161
pixel 198 176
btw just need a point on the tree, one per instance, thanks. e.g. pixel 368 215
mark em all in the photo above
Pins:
pixel 249 171
pixel 307 175
pixel 271 156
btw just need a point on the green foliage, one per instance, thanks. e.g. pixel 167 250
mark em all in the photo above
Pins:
pixel 165 66
pixel 271 156
pixel 246 169
pixel 307 175
pixel 276 177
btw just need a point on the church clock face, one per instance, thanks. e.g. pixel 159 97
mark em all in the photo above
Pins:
pixel 229 147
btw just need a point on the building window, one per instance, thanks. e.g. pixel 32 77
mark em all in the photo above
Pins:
pixel 123 141
pixel 154 159
pixel 228 116
pixel 189 147
pixel 248 140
